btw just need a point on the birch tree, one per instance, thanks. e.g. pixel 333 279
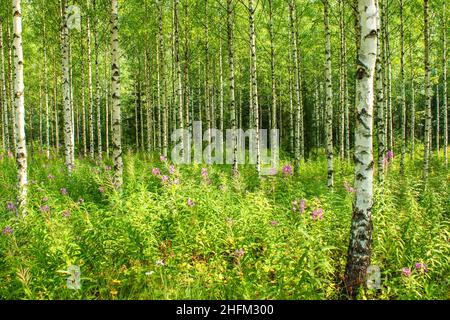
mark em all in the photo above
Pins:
pixel 359 251
pixel 68 129
pixel 254 80
pixel 427 85
pixel 116 111
pixel 445 93
pixel 329 95
pixel 5 111
pixel 19 99
pixel 230 33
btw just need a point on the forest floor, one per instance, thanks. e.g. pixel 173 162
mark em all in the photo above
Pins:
pixel 184 233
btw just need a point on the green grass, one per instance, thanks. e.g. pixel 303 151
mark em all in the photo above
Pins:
pixel 116 240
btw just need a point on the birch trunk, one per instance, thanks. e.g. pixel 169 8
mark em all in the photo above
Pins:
pixel 438 115
pixel 5 111
pixel 91 94
pixel 413 100
pixel 230 33
pixel 163 80
pixel 359 251
pixel 47 114
pixel 403 89
pixel 444 67
pixel 329 96
pixel 116 112
pixel 68 129
pixel 254 75
pixel 427 137
pixel 207 99
pixel 98 95
pixel 179 88
pixel 297 154
pixel 11 92
pixel 272 68
pixel 21 151
pixel 381 125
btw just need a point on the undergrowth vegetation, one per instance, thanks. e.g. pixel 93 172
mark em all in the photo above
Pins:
pixel 194 232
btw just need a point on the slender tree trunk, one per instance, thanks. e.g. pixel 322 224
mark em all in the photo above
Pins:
pixel 427 137
pixel 329 95
pixel 158 89
pixel 251 11
pixel 389 80
pixel 207 98
pixel 230 33
pixel 5 120
pixel 403 89
pixel 438 115
pixel 342 83
pixel 272 68
pixel 413 100
pixel 55 103
pixel 187 89
pixel 381 125
pixel 163 80
pixel 359 251
pixel 21 151
pixel 297 133
pixel 106 107
pixel 444 67
pixel 115 76
pixel 47 117
pixel 68 129
pixel 11 87
pixel 98 93
pixel 179 88
pixel 221 120
pixel 91 94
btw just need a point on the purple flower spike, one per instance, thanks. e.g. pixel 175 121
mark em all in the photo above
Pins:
pixel 287 170
pixel 190 203
pixel 51 177
pixel 318 213
pixel 11 207
pixel 421 267
pixel 63 191
pixel 162 158
pixel 406 271
pixel 164 179
pixel 172 169
pixel 45 208
pixel 66 214
pixel 204 173
pixel 101 190
pixel 302 205
pixel 7 230
pixel 274 223
pixel 390 154
pixel 156 172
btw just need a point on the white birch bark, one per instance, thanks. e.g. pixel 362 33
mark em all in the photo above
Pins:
pixel 359 251
pixel 68 129
pixel 116 111
pixel 19 99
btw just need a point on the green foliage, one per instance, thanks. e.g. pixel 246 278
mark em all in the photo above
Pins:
pixel 119 241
